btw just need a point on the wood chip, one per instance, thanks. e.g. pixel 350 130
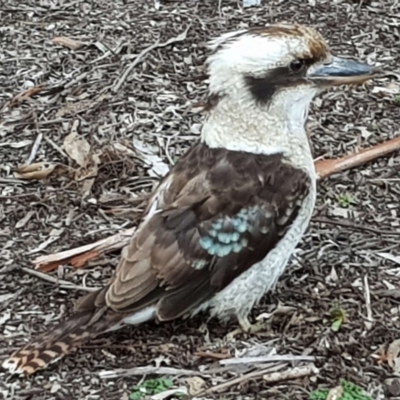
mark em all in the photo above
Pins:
pixel 68 42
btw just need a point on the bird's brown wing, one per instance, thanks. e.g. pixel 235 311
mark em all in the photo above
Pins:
pixel 220 212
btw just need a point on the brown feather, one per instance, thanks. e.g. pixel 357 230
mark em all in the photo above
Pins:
pixel 64 339
pixel 204 185
pixel 166 264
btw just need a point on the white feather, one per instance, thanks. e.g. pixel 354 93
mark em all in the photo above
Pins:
pixel 137 318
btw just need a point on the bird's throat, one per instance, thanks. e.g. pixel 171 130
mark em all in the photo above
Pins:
pixel 257 129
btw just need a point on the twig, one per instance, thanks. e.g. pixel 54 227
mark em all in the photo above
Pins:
pixel 136 61
pixel 7 302
pixel 368 323
pixel 294 373
pixel 352 225
pixel 148 370
pixel 81 255
pixel 212 356
pixel 26 94
pixel 143 54
pixel 35 148
pixel 327 168
pixel 55 146
pixel 235 381
pixel 63 284
pixel 263 359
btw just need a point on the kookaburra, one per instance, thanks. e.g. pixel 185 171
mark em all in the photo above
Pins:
pixel 221 225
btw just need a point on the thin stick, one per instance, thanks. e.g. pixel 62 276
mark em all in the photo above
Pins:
pixel 143 54
pixel 295 373
pixel 352 225
pixel 368 324
pixel 137 60
pixel 235 381
pixel 63 284
pixel 15 295
pixel 263 359
pixel 81 255
pixel 212 356
pixel 51 143
pixel 35 148
pixel 148 370
pixel 327 168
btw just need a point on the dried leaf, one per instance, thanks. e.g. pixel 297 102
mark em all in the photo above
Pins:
pixel 22 222
pixel 53 236
pixel 86 187
pixel 158 167
pixel 119 147
pixel 55 388
pixel 5 297
pixel 196 384
pixel 4 318
pixel 40 170
pixel 390 257
pixel 392 355
pixel 68 42
pixel 72 108
pixel 17 145
pixel 77 147
pixel 251 3
pixel 26 94
pixel 90 169
pixel 392 88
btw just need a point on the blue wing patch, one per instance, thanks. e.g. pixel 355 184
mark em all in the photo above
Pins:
pixel 228 234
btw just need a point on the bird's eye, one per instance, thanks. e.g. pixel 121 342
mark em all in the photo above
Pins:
pixel 297 65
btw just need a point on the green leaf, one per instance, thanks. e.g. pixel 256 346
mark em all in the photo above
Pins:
pixel 167 383
pixel 135 396
pixel 345 200
pixel 321 394
pixel 336 324
pixel 338 316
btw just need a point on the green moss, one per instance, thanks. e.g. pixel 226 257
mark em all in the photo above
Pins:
pixel 350 392
pixel 150 387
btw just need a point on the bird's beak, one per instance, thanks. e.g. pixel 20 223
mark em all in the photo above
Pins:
pixel 340 71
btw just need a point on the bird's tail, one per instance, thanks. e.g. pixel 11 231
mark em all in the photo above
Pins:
pixel 55 344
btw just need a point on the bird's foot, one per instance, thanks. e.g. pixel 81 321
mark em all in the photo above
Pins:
pixel 247 327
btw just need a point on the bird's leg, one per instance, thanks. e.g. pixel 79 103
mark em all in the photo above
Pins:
pixel 247 327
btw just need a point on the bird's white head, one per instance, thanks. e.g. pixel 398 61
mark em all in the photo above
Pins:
pixel 262 81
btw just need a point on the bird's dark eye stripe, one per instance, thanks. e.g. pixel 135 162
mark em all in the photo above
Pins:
pixel 263 88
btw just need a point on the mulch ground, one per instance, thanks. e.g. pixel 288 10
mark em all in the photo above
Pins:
pixel 138 124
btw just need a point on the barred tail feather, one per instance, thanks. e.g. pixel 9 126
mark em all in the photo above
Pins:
pixel 60 341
